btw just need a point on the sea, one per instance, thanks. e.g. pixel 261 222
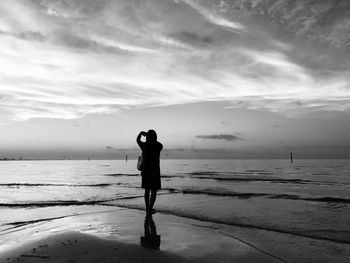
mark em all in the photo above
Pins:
pixel 308 198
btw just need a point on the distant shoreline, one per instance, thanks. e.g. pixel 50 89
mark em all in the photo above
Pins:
pixel 134 159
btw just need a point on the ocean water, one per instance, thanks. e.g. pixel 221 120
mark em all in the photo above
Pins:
pixel 307 198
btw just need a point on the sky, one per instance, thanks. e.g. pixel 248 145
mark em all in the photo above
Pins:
pixel 214 78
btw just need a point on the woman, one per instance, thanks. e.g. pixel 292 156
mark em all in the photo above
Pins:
pixel 151 170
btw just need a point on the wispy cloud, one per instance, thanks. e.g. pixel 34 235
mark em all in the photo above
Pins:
pixel 26 35
pixel 226 137
pixel 213 17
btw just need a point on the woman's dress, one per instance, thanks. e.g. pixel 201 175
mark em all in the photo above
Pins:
pixel 151 172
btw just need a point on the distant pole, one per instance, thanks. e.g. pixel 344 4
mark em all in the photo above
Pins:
pixel 126 158
pixel 291 157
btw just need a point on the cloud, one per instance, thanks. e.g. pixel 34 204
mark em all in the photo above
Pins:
pixel 194 38
pixel 226 137
pixel 213 17
pixel 26 35
pixel 293 108
pixel 67 59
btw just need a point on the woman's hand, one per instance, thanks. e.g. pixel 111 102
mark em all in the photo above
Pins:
pixel 143 133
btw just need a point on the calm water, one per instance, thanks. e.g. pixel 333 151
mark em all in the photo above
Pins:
pixel 308 198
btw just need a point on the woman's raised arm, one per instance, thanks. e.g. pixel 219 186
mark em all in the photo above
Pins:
pixel 138 139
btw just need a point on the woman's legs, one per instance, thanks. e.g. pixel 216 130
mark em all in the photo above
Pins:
pixel 149 202
pixel 153 199
pixel 147 190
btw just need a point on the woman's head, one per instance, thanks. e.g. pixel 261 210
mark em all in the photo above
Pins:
pixel 151 136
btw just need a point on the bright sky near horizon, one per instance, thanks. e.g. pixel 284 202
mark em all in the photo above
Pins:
pixel 214 78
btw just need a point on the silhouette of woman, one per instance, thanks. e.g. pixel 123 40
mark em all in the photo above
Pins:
pixel 151 170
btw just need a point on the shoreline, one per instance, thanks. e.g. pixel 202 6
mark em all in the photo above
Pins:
pixel 134 159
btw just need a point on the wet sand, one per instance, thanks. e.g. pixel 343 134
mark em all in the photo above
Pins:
pixel 114 235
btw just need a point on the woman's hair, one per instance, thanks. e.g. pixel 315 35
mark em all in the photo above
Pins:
pixel 151 136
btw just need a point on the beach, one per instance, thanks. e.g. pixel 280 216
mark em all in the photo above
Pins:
pixel 207 211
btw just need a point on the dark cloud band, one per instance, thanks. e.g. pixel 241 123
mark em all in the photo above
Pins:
pixel 226 137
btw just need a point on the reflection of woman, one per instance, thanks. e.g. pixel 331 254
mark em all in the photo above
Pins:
pixel 151 239
pixel 151 170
